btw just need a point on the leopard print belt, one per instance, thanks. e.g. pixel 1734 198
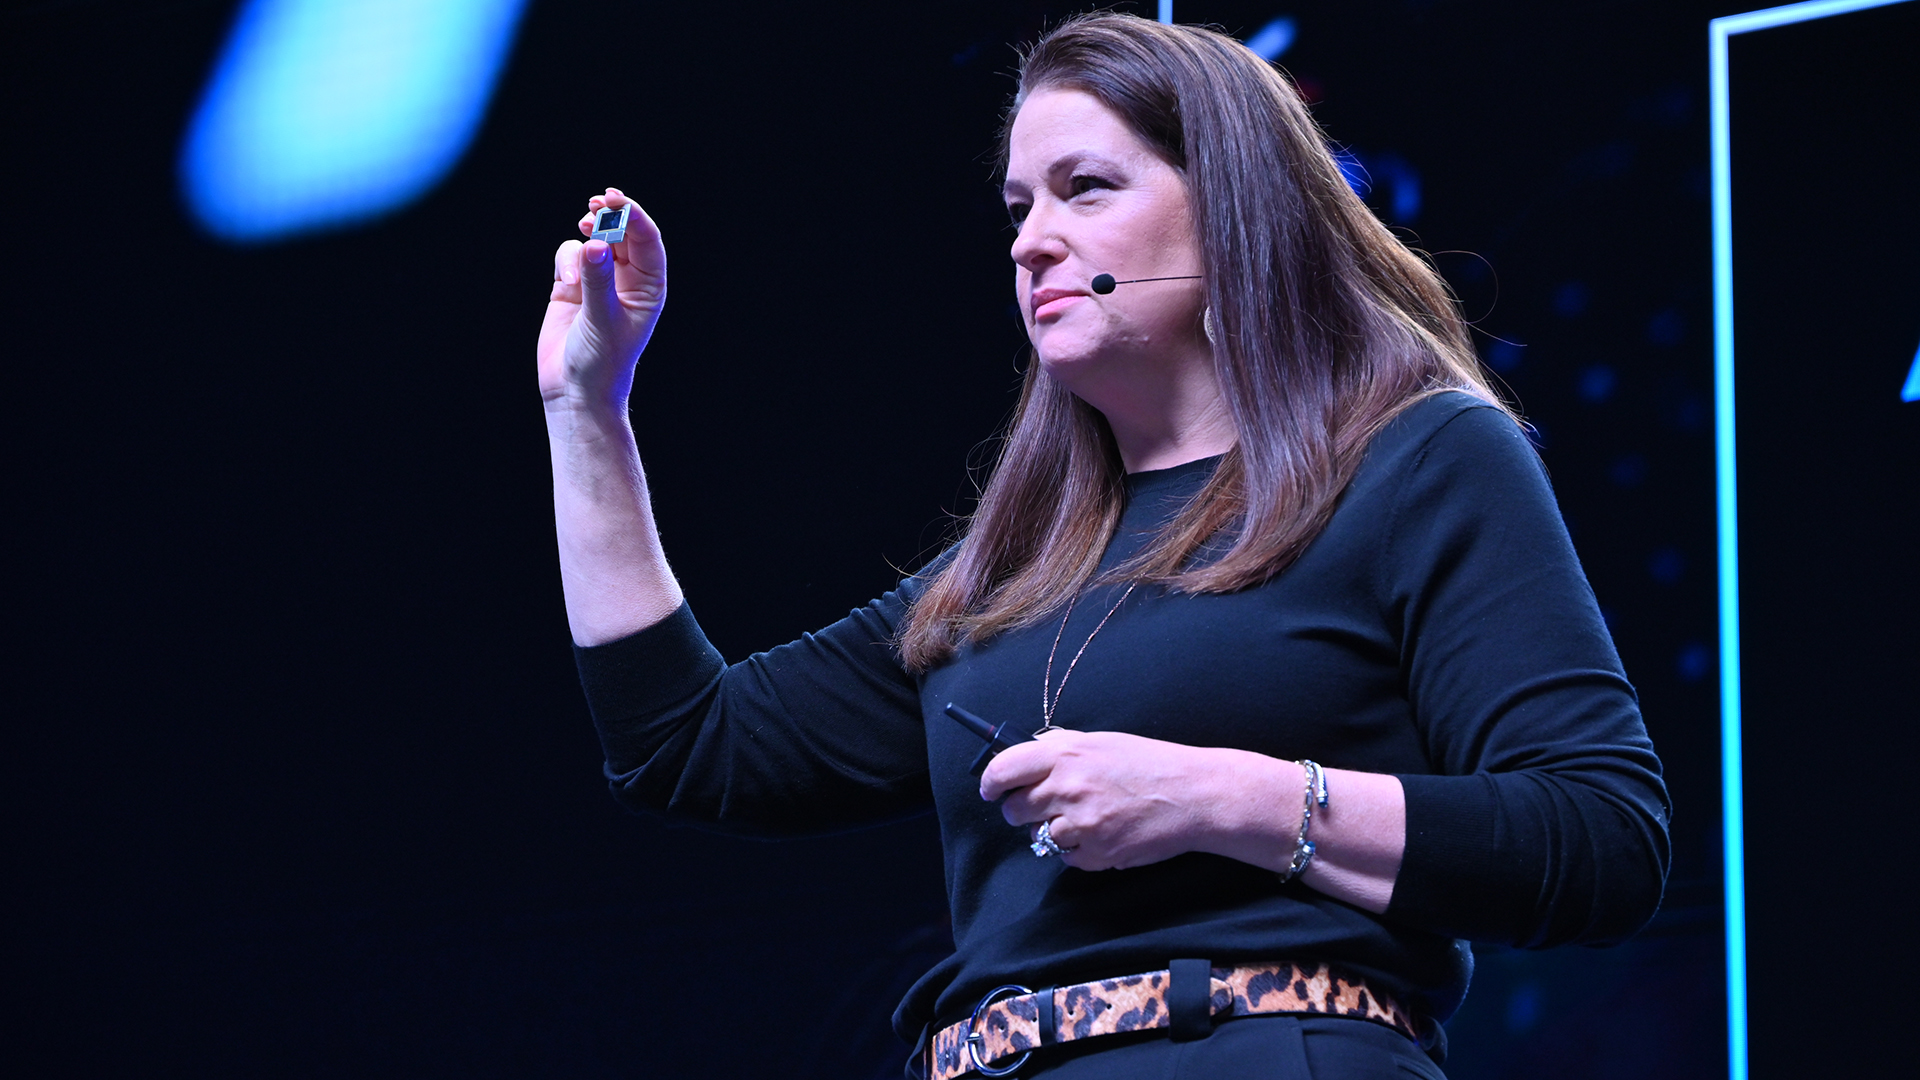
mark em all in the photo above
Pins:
pixel 1006 1027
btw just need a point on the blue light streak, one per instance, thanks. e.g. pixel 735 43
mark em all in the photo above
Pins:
pixel 1166 11
pixel 1273 39
pixel 1911 391
pixel 1726 503
pixel 326 113
pixel 1732 810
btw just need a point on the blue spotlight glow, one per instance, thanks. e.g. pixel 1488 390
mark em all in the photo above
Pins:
pixel 324 113
pixel 1667 565
pixel 1272 39
pixel 1695 662
pixel 1667 328
pixel 1524 1007
pixel 1503 356
pixel 1732 812
pixel 1911 391
pixel 1166 11
pixel 1597 383
pixel 1352 171
pixel 1401 178
pixel 1571 299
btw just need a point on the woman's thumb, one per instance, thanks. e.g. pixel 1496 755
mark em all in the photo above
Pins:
pixel 596 282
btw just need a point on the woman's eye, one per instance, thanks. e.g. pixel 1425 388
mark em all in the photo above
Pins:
pixel 1083 184
pixel 1017 215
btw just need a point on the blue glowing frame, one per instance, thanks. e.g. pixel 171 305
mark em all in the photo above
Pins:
pixel 1726 503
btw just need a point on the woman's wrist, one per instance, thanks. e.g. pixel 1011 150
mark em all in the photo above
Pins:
pixel 1360 838
pixel 578 418
pixel 575 399
pixel 1253 810
pixel 1255 814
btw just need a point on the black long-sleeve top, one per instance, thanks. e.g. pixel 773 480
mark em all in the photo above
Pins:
pixel 1440 629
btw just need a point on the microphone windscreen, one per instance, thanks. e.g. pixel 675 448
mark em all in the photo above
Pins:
pixel 1103 283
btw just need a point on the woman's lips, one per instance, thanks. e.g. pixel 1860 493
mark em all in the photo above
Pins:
pixel 1049 304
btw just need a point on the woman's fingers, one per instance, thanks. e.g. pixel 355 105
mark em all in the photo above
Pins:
pixel 1018 766
pixel 641 253
pixel 639 260
pixel 1024 807
pixel 603 305
pixel 641 250
pixel 1121 800
pixel 1078 849
pixel 1061 832
pixel 566 270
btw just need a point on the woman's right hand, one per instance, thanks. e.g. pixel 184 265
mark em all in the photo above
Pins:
pixel 606 299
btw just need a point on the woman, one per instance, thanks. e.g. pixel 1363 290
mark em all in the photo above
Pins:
pixel 1257 511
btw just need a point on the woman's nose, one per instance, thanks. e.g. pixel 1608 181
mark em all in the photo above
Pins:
pixel 1037 243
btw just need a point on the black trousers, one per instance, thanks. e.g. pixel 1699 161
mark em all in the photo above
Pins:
pixel 1283 1047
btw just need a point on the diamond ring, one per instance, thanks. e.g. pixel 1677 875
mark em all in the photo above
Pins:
pixel 1043 843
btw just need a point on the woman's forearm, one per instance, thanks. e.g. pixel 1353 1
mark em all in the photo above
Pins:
pixel 1359 837
pixel 601 310
pixel 611 563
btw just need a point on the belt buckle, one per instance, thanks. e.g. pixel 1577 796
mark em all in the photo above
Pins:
pixel 975 1040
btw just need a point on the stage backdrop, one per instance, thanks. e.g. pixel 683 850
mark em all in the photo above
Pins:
pixel 299 780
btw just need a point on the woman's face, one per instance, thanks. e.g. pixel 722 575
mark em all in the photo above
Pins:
pixel 1089 197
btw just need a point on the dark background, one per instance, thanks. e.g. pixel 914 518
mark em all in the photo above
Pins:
pixel 299 781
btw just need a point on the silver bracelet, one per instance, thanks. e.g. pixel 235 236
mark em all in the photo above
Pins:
pixel 1316 795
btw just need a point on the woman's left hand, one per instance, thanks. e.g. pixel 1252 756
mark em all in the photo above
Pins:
pixel 1116 800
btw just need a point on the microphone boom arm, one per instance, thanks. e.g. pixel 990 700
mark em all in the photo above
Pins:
pixel 1104 283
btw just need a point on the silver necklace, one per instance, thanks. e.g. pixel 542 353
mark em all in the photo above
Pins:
pixel 1050 694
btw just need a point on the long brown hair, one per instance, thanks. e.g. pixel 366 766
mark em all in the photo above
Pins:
pixel 1326 327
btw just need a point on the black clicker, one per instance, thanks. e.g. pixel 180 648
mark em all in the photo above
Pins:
pixel 996 738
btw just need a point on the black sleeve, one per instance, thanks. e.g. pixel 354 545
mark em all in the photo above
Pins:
pixel 1546 821
pixel 818 735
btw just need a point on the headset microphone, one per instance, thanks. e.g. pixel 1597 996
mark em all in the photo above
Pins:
pixel 1104 283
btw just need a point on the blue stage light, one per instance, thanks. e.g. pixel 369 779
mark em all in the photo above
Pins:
pixel 1272 39
pixel 1667 328
pixel 1911 391
pixel 1352 171
pixel 1597 383
pixel 1667 566
pixel 1694 663
pixel 1524 1008
pixel 1402 180
pixel 1503 356
pixel 1628 470
pixel 324 113
pixel 1732 795
pixel 1571 299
